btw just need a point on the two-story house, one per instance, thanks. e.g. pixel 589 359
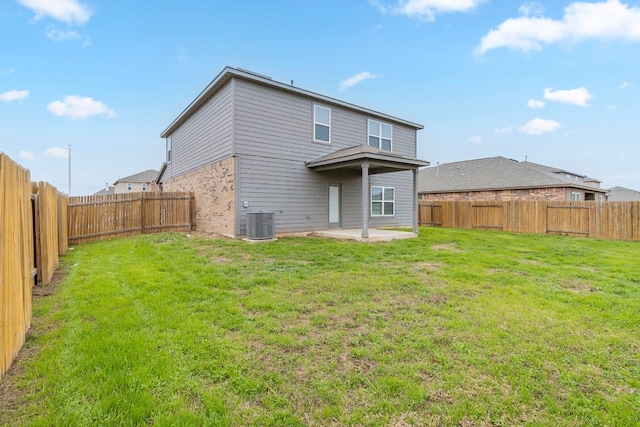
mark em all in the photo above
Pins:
pixel 142 181
pixel 249 143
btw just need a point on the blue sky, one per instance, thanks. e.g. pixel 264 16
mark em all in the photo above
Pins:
pixel 554 81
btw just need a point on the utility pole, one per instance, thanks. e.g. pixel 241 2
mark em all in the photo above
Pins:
pixel 69 169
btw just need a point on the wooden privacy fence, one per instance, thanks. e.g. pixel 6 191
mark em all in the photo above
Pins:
pixel 31 240
pixel 16 258
pixel 602 220
pixel 94 218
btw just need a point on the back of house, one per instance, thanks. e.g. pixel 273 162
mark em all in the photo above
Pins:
pixel 248 143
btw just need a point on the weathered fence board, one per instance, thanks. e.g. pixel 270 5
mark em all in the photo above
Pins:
pixel 92 218
pixel 16 259
pixel 603 220
pixel 47 231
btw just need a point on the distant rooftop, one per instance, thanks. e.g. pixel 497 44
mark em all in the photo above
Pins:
pixel 146 176
pixel 499 173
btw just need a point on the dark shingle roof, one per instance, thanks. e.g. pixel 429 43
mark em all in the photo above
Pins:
pixel 495 173
pixel 146 176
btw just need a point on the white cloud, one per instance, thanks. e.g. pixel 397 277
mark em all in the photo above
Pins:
pixel 531 9
pixel 76 107
pixel 7 72
pixel 56 153
pixel 578 96
pixel 426 9
pixel 354 80
pixel 503 130
pixel 625 85
pixel 14 95
pixel 533 103
pixel 606 20
pixel 539 126
pixel 25 155
pixel 475 139
pixel 69 11
pixel 383 8
pixel 58 35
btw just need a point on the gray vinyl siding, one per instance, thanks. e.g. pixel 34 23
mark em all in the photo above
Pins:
pixel 403 183
pixel 206 137
pixel 273 142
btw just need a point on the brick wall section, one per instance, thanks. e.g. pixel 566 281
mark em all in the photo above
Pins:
pixel 214 189
pixel 555 194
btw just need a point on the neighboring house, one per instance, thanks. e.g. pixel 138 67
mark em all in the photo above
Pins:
pixel 499 178
pixel 108 189
pixel 143 181
pixel 249 143
pixel 622 194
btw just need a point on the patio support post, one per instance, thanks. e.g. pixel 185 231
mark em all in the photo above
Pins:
pixel 415 201
pixel 365 200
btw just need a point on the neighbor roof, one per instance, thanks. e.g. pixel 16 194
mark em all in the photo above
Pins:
pixel 229 72
pixel 146 176
pixel 498 173
pixel 622 194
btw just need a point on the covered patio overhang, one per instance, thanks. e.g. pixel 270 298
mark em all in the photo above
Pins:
pixel 370 161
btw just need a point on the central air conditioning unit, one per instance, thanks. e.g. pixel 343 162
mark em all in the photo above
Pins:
pixel 260 225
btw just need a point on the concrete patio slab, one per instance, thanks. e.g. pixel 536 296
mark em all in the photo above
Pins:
pixel 375 235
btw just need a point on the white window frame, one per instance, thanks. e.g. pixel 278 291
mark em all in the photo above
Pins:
pixel 575 196
pixel 382 201
pixel 379 126
pixel 144 186
pixel 316 122
pixel 129 186
pixel 169 149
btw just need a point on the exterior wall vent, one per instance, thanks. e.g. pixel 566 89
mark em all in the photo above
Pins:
pixel 260 225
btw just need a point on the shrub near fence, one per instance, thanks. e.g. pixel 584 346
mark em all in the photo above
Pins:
pixel 16 258
pixel 94 218
pixel 602 220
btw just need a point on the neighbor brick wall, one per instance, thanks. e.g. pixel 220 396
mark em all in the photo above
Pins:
pixel 214 189
pixel 558 194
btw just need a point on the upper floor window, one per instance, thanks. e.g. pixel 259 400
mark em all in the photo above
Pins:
pixel 383 201
pixel 322 124
pixel 144 186
pixel 129 186
pixel 169 149
pixel 380 135
pixel 575 196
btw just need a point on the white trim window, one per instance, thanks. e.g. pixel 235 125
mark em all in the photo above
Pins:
pixel 575 196
pixel 383 201
pixel 144 186
pixel 169 149
pixel 129 186
pixel 380 135
pixel 321 124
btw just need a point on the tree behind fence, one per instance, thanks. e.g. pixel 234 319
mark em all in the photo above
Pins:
pixel 602 220
pixel 94 218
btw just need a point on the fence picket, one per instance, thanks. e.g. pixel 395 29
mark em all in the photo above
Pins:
pixel 603 220
pixel 94 218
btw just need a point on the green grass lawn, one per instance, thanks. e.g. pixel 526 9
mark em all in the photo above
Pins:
pixel 458 327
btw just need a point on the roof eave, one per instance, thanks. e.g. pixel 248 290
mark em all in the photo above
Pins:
pixel 229 72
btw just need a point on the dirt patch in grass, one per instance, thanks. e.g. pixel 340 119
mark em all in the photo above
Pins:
pixel 450 247
pixel 12 397
pixel 577 286
pixel 422 267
